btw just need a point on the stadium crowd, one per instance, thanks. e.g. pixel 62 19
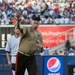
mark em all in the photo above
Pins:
pixel 50 11
pixel 69 52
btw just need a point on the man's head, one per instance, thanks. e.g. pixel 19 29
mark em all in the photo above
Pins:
pixel 36 17
pixel 35 21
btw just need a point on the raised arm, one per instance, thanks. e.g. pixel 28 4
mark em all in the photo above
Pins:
pixel 18 22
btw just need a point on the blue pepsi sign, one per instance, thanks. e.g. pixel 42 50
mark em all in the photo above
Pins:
pixel 53 65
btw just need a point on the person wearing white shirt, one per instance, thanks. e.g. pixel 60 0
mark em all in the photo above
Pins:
pixel 2 21
pixel 56 21
pixel 61 20
pixel 12 47
pixel 71 54
pixel 66 20
pixel 1 1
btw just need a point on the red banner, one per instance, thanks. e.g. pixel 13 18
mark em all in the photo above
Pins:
pixel 55 35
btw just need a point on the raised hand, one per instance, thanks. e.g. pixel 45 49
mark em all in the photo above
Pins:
pixel 19 16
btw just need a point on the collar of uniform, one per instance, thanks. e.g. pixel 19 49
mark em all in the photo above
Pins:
pixel 31 29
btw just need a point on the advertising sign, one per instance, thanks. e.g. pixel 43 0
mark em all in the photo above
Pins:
pixel 55 35
pixel 53 65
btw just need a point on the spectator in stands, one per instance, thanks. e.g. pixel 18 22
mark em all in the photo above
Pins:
pixel 66 52
pixel 66 19
pixel 58 13
pixel 45 20
pixel 71 19
pixel 71 53
pixel 0 1
pixel 12 47
pixel 61 53
pixel 1 14
pixel 55 53
pixel 68 44
pixel 2 21
pixel 44 10
pixel 46 51
pixel 56 20
pixel 13 20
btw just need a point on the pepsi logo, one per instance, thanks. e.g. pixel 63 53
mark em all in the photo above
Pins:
pixel 53 64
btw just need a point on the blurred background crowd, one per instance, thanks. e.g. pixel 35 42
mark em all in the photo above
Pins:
pixel 50 11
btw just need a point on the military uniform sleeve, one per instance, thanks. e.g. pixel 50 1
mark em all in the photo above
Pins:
pixel 24 30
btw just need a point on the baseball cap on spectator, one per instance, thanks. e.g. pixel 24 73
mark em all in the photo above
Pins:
pixel 30 5
pixel 36 17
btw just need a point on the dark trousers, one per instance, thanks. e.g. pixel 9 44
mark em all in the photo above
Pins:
pixel 23 62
